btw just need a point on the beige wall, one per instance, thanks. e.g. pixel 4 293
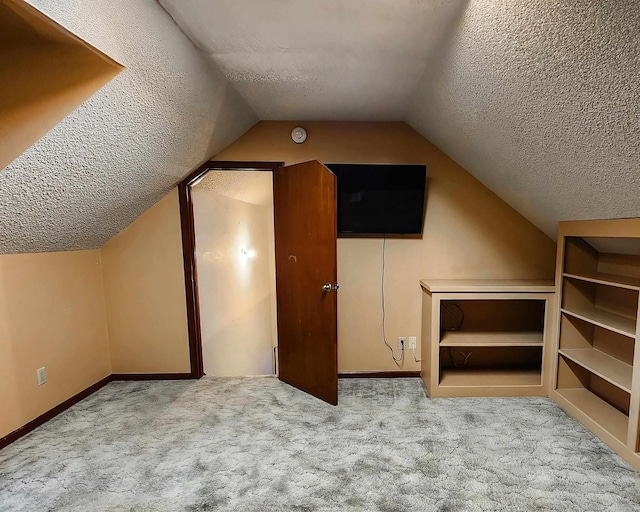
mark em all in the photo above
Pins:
pixel 52 314
pixel 236 292
pixel 145 294
pixel 52 305
pixel 469 232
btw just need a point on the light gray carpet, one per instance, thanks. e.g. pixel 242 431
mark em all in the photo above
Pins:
pixel 255 444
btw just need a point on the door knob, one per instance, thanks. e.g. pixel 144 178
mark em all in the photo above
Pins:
pixel 326 287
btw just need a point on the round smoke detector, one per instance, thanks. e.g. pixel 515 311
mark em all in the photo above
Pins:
pixel 299 135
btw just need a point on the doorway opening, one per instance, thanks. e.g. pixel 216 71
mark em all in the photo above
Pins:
pixel 235 257
pixel 203 260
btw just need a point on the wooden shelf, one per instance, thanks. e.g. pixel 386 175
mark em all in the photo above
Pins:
pixel 491 339
pixel 630 283
pixel 605 319
pixel 488 285
pixel 608 417
pixel 490 377
pixel 603 365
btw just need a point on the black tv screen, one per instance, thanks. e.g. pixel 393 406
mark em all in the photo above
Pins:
pixel 380 198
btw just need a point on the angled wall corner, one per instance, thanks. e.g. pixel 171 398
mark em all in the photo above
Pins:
pixel 144 293
pixel 47 73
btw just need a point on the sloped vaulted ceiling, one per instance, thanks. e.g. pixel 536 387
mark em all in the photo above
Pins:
pixel 540 100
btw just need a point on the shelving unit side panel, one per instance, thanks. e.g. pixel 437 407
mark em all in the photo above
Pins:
pixel 435 340
pixel 633 441
pixel 554 344
pixel 426 341
pixel 549 338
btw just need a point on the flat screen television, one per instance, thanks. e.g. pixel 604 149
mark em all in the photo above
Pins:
pixel 378 199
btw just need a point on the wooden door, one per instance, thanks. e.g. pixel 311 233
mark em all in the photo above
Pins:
pixel 304 197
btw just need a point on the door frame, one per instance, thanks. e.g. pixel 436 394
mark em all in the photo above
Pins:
pixel 187 225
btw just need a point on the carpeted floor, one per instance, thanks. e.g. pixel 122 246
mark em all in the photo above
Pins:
pixel 255 444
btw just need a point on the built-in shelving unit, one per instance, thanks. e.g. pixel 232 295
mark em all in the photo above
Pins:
pixel 486 337
pixel 597 361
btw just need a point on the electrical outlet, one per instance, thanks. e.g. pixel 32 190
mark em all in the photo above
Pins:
pixel 42 375
pixel 401 342
pixel 412 342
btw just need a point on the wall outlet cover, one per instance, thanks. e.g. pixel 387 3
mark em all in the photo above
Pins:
pixel 42 375
pixel 402 342
pixel 412 342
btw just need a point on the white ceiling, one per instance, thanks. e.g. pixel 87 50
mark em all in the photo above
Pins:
pixel 539 100
pixel 324 60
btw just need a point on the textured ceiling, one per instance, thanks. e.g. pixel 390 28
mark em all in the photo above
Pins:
pixel 538 99
pixel 541 101
pixel 326 60
pixel 254 187
pixel 128 145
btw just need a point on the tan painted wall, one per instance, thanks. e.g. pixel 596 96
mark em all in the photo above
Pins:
pixel 52 314
pixel 145 295
pixel 469 232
